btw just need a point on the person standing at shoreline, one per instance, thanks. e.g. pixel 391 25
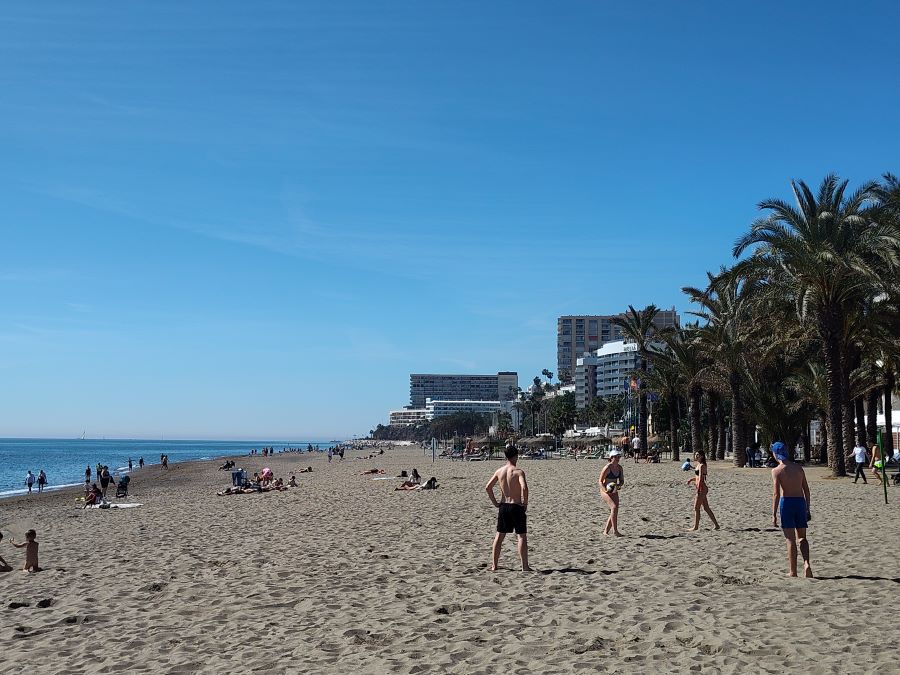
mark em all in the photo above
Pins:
pixel 87 475
pixel 130 464
pixel 790 500
pixel 29 480
pixel 105 479
pixel 701 491
pixel 140 464
pixel 512 507
pixel 859 456
pixel 42 480
pixel 612 477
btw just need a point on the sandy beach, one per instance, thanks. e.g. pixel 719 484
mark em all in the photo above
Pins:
pixel 343 574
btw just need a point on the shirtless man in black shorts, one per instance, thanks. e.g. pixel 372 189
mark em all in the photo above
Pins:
pixel 512 506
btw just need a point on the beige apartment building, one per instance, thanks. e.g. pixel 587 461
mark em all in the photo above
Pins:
pixel 580 335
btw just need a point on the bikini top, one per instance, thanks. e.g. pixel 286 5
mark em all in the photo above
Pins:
pixel 611 476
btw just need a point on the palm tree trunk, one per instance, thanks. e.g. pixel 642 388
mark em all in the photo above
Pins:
pixel 847 414
pixel 888 437
pixel 806 436
pixel 720 418
pixel 871 417
pixel 823 444
pixel 694 413
pixel 834 378
pixel 673 428
pixel 642 401
pixel 738 443
pixel 713 432
pixel 860 407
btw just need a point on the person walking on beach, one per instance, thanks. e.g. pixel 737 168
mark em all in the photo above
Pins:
pixel 140 464
pixel 877 464
pixel 612 477
pixel 329 455
pixel 87 475
pixel 702 489
pixel 29 480
pixel 859 456
pixel 790 501
pixel 42 480
pixel 130 464
pixel 512 507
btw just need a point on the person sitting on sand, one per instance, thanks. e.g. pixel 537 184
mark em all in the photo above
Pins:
pixel 790 500
pixel 414 481
pixel 31 552
pixel 95 496
pixel 701 491
pixel 4 566
pixel 612 477
pixel 372 472
pixel 293 481
pixel 306 470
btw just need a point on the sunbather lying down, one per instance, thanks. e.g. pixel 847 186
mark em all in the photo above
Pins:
pixel 251 489
pixel 408 486
pixel 306 470
pixel 372 471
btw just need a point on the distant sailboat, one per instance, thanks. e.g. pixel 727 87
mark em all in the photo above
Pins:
pixel 82 435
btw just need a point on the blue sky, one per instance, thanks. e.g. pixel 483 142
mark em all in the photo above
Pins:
pixel 231 219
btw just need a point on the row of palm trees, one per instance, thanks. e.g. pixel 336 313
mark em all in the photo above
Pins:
pixel 803 326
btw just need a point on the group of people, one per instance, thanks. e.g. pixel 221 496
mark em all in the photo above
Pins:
pixel 31 553
pixel 790 502
pixel 40 479
pixel 875 462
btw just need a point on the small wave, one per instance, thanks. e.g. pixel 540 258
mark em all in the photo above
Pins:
pixel 24 491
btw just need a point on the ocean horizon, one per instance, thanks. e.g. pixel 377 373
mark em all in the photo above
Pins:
pixel 64 460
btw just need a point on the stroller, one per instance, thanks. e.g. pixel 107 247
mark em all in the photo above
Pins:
pixel 122 487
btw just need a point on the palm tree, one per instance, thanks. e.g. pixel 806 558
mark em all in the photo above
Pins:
pixel 684 355
pixel 638 327
pixel 829 252
pixel 726 306
pixel 665 380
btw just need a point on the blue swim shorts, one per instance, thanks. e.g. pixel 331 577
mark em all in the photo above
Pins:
pixel 793 512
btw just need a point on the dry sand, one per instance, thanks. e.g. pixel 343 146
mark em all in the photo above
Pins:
pixel 345 575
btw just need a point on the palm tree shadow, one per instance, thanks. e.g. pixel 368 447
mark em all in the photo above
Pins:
pixel 577 570
pixel 660 536
pixel 859 577
pixel 758 529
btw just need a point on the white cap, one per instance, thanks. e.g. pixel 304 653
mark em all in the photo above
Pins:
pixel 615 453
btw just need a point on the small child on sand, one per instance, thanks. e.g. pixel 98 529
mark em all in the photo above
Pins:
pixel 31 552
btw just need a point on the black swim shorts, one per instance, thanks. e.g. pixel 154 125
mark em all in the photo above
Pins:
pixel 511 517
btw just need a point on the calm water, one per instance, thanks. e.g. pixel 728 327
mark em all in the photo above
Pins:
pixel 64 461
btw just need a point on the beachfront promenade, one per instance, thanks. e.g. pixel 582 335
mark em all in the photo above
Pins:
pixel 344 574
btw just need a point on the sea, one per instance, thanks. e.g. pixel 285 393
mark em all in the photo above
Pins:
pixel 64 461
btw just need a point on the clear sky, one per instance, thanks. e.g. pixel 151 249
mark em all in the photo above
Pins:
pixel 255 219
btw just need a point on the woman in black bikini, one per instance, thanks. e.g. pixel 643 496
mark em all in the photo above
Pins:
pixel 612 477
pixel 701 490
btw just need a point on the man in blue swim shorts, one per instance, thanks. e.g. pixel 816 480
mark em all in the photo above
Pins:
pixel 790 500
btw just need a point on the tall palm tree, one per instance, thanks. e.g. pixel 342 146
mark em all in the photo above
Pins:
pixel 665 380
pixel 726 306
pixel 685 356
pixel 830 251
pixel 638 327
